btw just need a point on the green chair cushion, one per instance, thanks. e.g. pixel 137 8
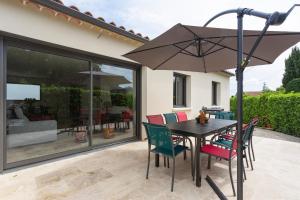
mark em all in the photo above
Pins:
pixel 223 142
pixel 177 150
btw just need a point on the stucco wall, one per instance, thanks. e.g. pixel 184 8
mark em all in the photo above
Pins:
pixel 27 20
pixel 158 96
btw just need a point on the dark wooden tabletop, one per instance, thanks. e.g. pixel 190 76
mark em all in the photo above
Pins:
pixel 194 129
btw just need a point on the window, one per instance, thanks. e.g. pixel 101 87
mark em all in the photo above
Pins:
pixel 179 90
pixel 59 104
pixel 215 93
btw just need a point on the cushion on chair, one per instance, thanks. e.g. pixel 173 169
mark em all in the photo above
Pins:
pixel 227 136
pixel 181 116
pixel 223 142
pixel 177 150
pixel 155 119
pixel 217 151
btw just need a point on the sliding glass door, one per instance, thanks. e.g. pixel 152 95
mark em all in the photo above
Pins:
pixel 47 104
pixel 114 102
pixel 57 104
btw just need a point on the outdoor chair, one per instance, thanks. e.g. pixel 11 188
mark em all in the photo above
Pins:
pixel 161 138
pixel 255 123
pixel 247 141
pixel 228 154
pixel 172 118
pixel 181 116
pixel 224 115
pixel 226 142
pixel 155 119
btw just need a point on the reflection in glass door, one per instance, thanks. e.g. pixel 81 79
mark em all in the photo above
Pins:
pixel 48 100
pixel 114 97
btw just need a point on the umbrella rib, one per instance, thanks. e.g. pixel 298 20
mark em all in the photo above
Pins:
pixel 189 54
pixel 214 51
pixel 170 58
pixel 195 35
pixel 166 60
pixel 236 50
pixel 184 49
pixel 161 46
pixel 214 46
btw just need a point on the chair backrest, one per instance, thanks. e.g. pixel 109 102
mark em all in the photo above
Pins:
pixel 248 132
pixel 155 119
pixel 255 121
pixel 170 118
pixel 181 116
pixel 234 142
pixel 224 115
pixel 159 136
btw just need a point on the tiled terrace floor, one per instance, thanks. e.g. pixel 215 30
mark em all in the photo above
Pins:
pixel 119 173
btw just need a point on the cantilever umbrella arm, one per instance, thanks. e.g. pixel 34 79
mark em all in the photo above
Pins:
pixel 275 18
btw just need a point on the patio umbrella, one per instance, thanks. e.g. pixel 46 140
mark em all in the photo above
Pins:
pixel 106 80
pixel 204 49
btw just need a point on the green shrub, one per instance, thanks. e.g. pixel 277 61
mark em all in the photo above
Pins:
pixel 293 85
pixel 278 111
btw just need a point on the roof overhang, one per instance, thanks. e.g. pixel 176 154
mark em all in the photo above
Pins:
pixel 87 18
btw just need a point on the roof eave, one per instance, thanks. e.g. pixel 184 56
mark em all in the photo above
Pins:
pixel 228 73
pixel 78 15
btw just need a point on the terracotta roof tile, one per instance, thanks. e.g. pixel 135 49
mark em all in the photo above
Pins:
pixel 101 19
pixel 58 1
pixel 88 13
pixel 122 27
pixel 74 8
pixel 112 23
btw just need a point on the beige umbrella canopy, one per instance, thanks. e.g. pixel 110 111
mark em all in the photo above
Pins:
pixel 204 49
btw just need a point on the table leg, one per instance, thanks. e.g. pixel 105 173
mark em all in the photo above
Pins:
pixel 204 141
pixel 156 160
pixel 184 153
pixel 198 160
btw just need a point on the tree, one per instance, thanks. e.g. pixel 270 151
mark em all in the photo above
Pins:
pixel 293 85
pixel 292 67
pixel 265 88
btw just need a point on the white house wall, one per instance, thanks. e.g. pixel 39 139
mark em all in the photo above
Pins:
pixel 158 92
pixel 157 86
pixel 28 21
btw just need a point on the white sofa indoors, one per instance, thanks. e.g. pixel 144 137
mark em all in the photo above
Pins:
pixel 22 132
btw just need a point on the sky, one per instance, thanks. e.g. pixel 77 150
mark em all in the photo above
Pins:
pixel 153 17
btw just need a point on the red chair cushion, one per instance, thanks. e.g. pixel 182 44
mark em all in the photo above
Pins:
pixel 181 116
pixel 217 151
pixel 155 119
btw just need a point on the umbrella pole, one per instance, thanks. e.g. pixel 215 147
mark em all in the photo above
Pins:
pixel 239 74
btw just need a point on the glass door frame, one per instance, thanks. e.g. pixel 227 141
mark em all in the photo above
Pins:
pixel 23 42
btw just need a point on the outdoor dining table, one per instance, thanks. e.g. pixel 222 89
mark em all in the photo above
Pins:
pixel 191 128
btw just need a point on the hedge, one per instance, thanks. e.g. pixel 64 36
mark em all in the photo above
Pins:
pixel 278 111
pixel 65 103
